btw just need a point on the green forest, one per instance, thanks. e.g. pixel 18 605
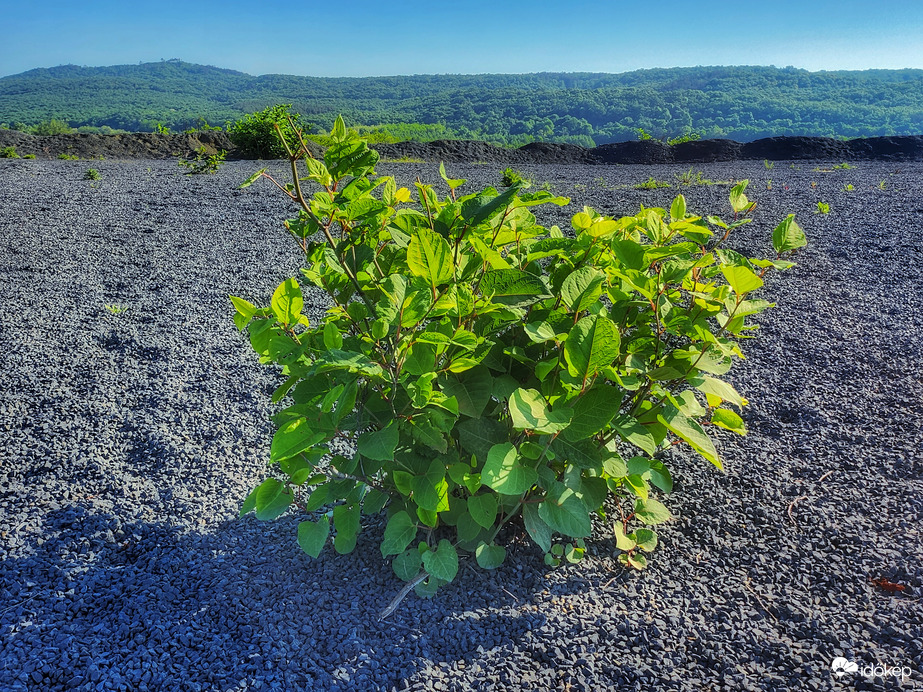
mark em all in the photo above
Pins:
pixel 740 103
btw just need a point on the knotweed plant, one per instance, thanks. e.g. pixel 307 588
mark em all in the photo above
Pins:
pixel 476 369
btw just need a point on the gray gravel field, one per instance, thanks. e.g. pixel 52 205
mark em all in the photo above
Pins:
pixel 130 435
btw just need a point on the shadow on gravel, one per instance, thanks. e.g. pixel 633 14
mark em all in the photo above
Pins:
pixel 149 604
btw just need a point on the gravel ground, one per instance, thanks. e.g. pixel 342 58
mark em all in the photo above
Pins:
pixel 129 441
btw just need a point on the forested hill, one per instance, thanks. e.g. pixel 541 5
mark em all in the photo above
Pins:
pixel 742 103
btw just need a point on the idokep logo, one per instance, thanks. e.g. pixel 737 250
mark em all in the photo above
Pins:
pixel 843 666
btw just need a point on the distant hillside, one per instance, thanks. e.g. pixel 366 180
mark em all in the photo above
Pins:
pixel 741 103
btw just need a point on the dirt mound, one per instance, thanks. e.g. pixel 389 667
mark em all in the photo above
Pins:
pixel 147 145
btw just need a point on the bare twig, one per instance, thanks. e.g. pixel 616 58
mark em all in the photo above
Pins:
pixel 746 583
pixel 408 587
pixel 824 476
pixel 792 505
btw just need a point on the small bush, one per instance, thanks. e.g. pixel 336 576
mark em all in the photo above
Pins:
pixel 822 208
pixel 91 174
pixel 203 162
pixel 510 177
pixel 476 368
pixel 651 184
pixel 68 157
pixel 256 135
pixel 8 153
pixel 51 127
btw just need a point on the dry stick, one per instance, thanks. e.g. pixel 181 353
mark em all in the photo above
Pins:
pixel 824 476
pixel 792 505
pixel 408 587
pixel 746 584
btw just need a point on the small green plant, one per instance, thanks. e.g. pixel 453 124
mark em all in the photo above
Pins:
pixel 882 185
pixel 769 184
pixel 600 182
pixel 404 159
pixel 475 368
pixel 203 163
pixel 28 156
pixel 682 139
pixel 68 157
pixel 692 178
pixel 8 153
pixel 845 166
pixel 511 177
pixel 546 187
pixel 162 129
pixel 822 208
pixel 91 174
pixel 768 165
pixel 848 187
pixel 651 184
pixel 115 308
pixel 643 135
pixel 259 135
pixel 51 127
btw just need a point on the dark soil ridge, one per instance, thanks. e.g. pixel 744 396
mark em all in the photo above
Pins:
pixel 149 145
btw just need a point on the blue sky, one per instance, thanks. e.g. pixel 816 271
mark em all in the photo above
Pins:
pixel 438 37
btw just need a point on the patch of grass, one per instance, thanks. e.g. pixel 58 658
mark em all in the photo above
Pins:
pixel 91 174
pixel 843 166
pixel 68 157
pixel 115 308
pixel 651 184
pixel 8 153
pixel 768 165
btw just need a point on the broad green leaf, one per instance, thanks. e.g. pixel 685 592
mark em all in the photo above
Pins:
pixel 593 344
pixel 332 337
pixel 479 435
pixel 483 207
pixel 678 208
pixel 622 540
pixel 353 158
pixel 287 302
pixel 539 332
pixel 637 485
pixel 272 499
pixel 312 535
pixel 293 438
pixel 407 565
pixel 379 444
pixel 503 472
pixel 593 411
pixel 471 389
pixel 442 562
pixel 245 311
pixel 788 236
pixel 399 532
pixel 717 388
pixel 646 539
pixel 630 430
pixel 430 491
pixel 490 556
pixel 741 279
pixel 374 501
pixel 650 511
pixel 483 509
pixel 513 287
pixel 530 412
pixel 249 503
pixel 566 514
pixel 691 432
pixel 584 454
pixel 451 182
pixel 346 523
pixel 430 257
pixel 729 420
pixel 536 527
pixel 582 288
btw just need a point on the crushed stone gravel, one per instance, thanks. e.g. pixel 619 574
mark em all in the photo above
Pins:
pixel 131 434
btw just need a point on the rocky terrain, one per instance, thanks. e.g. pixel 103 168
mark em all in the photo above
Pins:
pixel 146 145
pixel 135 419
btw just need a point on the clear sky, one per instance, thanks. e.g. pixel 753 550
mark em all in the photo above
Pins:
pixel 373 37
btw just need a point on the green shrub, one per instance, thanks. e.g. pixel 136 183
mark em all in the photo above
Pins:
pixel 822 208
pixel 28 156
pixel 203 162
pixel 8 153
pixel 256 135
pixel 475 368
pixel 511 177
pixel 68 157
pixel 651 184
pixel 51 127
pixel 91 174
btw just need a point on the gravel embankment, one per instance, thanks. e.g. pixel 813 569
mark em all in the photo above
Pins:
pixel 129 441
